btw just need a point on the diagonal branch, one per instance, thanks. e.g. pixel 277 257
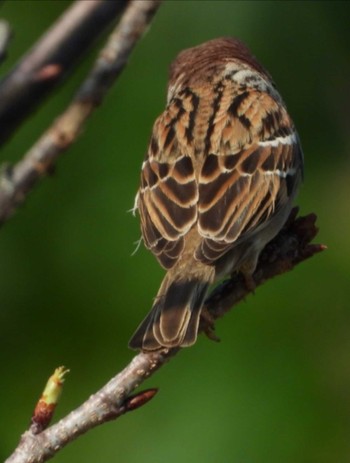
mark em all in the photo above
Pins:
pixel 18 181
pixel 290 247
pixel 51 59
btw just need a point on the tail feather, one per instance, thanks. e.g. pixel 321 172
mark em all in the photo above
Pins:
pixel 174 318
pixel 190 334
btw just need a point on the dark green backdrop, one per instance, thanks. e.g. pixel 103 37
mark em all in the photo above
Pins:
pixel 277 388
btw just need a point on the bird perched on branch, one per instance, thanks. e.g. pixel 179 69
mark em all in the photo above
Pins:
pixel 217 184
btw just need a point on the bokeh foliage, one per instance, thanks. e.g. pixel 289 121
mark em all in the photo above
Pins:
pixel 277 388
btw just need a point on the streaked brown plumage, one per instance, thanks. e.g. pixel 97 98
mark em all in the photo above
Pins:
pixel 222 169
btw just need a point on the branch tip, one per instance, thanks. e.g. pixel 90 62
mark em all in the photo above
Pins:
pixel 46 405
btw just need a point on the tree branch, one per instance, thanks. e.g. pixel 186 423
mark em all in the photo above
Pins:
pixel 16 182
pixel 289 248
pixel 51 59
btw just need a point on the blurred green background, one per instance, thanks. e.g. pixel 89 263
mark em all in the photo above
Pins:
pixel 277 388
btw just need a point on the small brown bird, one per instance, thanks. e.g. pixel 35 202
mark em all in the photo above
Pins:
pixel 217 183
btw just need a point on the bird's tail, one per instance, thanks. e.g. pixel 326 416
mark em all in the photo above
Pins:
pixel 174 318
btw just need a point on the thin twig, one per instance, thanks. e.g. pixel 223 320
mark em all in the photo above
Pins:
pixel 51 59
pixel 288 249
pixel 17 182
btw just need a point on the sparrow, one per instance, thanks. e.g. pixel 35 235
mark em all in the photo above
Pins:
pixel 218 181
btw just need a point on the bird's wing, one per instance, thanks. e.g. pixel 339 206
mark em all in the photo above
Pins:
pixel 168 195
pixel 241 185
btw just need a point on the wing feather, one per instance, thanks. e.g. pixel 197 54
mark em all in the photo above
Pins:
pixel 247 204
pixel 168 196
pixel 240 192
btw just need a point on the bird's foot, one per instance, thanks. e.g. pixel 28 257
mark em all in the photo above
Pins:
pixel 208 326
pixel 249 282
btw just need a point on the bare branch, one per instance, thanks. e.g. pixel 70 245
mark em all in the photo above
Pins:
pixel 17 182
pixel 289 248
pixel 51 58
